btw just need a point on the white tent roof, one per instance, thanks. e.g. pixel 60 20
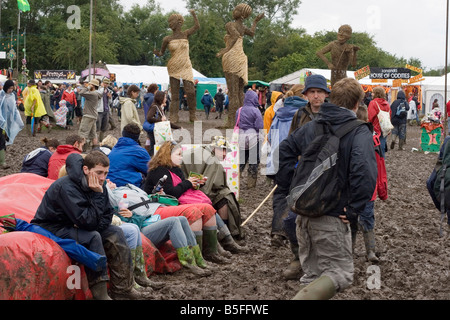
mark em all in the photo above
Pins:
pixel 143 74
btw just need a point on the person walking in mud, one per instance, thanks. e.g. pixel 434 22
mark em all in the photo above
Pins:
pixel 179 65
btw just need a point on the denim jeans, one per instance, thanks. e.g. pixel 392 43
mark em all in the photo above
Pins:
pixel 400 131
pixel 367 217
pixel 132 234
pixel 175 229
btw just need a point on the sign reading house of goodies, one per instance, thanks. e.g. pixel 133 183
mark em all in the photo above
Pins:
pixel 389 73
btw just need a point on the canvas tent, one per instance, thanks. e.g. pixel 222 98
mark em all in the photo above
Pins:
pixel 143 74
pixel 435 89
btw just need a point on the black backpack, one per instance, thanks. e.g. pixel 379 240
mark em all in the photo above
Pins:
pixel 441 184
pixel 315 188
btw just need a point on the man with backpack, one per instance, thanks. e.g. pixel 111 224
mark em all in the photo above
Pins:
pixel 323 230
pixel 399 112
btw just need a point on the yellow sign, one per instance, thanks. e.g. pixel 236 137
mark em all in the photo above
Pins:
pixel 418 70
pixel 379 81
pixel 417 78
pixel 362 73
pixel 397 83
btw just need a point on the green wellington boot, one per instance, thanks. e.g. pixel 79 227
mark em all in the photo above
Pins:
pixel 320 289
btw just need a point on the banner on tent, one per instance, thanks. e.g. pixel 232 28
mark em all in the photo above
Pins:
pixel 390 73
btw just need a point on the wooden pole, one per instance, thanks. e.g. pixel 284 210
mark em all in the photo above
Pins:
pixel 259 207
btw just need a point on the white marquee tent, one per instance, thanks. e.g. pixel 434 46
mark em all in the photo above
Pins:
pixel 144 74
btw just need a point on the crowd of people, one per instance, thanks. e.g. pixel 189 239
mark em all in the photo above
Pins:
pixel 93 170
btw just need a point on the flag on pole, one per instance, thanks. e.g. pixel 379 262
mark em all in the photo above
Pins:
pixel 23 5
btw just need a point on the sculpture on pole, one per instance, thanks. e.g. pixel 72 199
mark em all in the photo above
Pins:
pixel 342 54
pixel 179 66
pixel 234 60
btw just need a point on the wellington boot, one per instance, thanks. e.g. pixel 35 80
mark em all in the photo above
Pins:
pixel 187 260
pixel 369 242
pixel 132 294
pixel 394 137
pixel 251 181
pixel 3 164
pixel 140 274
pixel 230 245
pixel 320 289
pixel 210 248
pixel 199 257
pixel 223 252
pixel 100 291
pixel 293 271
pixel 401 143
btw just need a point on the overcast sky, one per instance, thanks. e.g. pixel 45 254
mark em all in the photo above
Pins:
pixel 414 28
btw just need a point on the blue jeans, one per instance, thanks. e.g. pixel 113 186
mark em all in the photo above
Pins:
pixel 132 234
pixel 175 229
pixel 383 146
pixel 367 217
pixel 400 131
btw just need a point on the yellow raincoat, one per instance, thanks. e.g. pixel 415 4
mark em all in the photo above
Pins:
pixel 32 94
pixel 270 113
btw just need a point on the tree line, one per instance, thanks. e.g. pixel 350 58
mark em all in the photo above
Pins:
pixel 129 37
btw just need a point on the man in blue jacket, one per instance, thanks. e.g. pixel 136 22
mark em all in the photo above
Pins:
pixel 325 245
pixel 77 207
pixel 129 161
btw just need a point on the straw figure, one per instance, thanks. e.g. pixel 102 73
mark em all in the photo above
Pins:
pixel 342 54
pixel 234 60
pixel 179 66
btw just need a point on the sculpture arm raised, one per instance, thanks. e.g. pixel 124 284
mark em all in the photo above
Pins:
pixel 196 26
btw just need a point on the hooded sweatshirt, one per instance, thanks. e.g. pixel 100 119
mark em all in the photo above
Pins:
pixel 69 201
pixel 58 159
pixel 250 121
pixel 401 98
pixel 357 166
pixel 373 112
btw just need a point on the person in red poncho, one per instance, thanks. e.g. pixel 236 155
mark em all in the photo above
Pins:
pixel 74 144
pixel 378 102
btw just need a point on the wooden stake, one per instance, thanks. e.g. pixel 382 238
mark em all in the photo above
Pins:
pixel 259 207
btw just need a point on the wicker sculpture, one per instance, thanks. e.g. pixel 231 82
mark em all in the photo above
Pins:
pixel 342 54
pixel 179 66
pixel 234 60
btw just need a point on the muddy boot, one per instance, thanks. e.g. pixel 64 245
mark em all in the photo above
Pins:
pixel 28 129
pixel 251 181
pixel 220 115
pixel 394 137
pixel 320 289
pixel 100 291
pixel 101 136
pixel 199 261
pixel 187 260
pixel 210 250
pixel 401 143
pixel 293 271
pixel 369 242
pixel 223 252
pixel 132 294
pixel 140 274
pixel 3 164
pixel 230 245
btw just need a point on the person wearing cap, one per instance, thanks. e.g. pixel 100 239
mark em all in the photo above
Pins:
pixel 103 108
pixel 316 91
pixel 88 127
pixel 207 162
pixel 10 120
pixel 325 244
pixel 34 107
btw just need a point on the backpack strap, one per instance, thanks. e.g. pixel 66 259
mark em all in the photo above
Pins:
pixel 140 204
pixel 349 127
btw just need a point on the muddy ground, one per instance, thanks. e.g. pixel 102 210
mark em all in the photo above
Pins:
pixel 414 260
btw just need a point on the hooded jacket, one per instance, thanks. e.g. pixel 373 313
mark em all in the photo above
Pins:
pixel 129 113
pixel 70 202
pixel 58 159
pixel 281 124
pixel 270 113
pixel 128 163
pixel 401 98
pixel 148 101
pixel 37 162
pixel 250 121
pixel 357 166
